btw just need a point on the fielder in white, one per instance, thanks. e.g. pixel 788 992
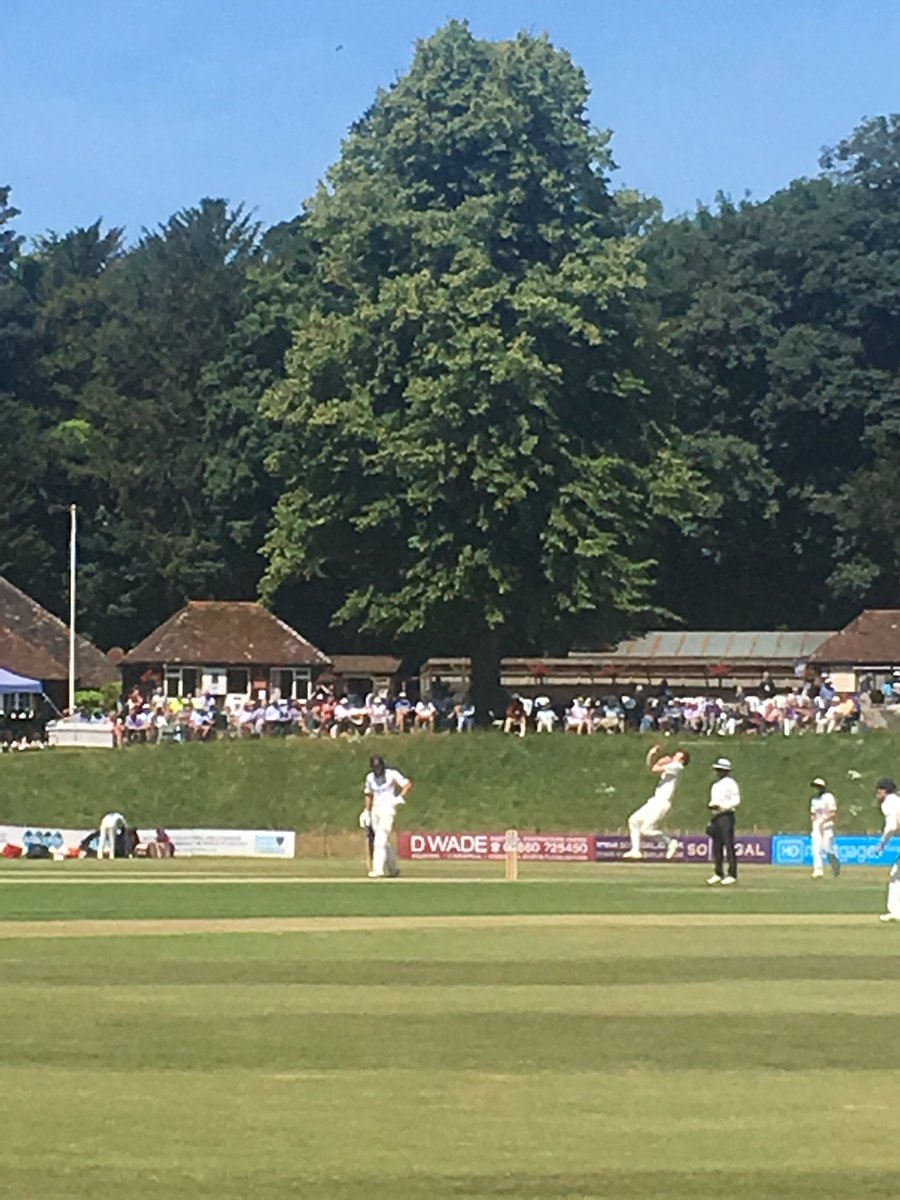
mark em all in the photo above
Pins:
pixel 886 791
pixel 646 820
pixel 385 789
pixel 110 825
pixel 822 814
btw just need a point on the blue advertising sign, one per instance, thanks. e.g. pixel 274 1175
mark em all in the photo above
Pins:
pixel 795 850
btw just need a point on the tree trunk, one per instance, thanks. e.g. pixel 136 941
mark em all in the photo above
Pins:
pixel 486 692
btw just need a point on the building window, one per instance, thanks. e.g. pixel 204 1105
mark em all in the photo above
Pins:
pixel 214 681
pixel 291 683
pixel 238 681
pixel 181 681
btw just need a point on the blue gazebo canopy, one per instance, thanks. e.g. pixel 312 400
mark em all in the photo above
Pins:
pixel 11 682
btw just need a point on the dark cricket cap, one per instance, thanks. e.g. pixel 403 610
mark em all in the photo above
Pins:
pixel 886 785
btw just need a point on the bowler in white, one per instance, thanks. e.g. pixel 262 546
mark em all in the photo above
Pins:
pixel 645 821
pixel 886 791
pixel 822 815
pixel 385 790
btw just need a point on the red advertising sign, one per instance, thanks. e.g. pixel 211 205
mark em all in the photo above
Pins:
pixel 490 847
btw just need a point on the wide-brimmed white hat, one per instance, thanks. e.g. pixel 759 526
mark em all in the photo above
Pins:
pixel 818 782
pixel 722 764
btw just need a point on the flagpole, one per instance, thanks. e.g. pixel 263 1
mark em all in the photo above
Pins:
pixel 72 555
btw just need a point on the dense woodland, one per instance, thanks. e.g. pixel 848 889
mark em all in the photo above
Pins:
pixel 475 397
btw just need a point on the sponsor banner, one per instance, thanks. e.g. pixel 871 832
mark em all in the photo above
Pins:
pixel 794 850
pixel 490 847
pixel 55 839
pixel 224 843
pixel 751 848
pixel 229 843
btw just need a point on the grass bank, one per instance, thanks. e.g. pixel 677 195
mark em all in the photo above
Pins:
pixel 476 782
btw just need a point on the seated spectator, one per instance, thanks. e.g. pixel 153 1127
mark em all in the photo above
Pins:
pixel 159 726
pixel 379 715
pixel 578 717
pixel 403 712
pixel 426 714
pixel 201 726
pixel 118 729
pixel 272 717
pixel 246 719
pixel 359 718
pixel 464 714
pixel 544 716
pixel 610 717
pixel 516 720
pixel 340 718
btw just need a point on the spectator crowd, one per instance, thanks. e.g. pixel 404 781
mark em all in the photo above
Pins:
pixel 158 718
pixel 812 706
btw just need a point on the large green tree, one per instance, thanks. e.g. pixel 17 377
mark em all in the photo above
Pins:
pixel 467 440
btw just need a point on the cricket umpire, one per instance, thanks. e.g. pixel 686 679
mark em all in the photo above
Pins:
pixel 724 797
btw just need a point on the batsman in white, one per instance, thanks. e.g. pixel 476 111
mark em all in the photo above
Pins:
pixel 886 791
pixel 110 825
pixel 822 814
pixel 385 790
pixel 645 821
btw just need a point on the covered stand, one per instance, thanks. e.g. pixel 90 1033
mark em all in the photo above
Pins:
pixel 21 685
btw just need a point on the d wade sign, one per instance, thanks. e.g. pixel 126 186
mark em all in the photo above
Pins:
pixel 491 847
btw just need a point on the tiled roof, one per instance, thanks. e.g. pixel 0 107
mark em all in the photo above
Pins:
pixel 34 642
pixel 872 639
pixel 224 632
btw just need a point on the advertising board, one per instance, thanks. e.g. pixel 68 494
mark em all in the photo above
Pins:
pixel 795 850
pixel 224 843
pixel 490 847
pixel 751 849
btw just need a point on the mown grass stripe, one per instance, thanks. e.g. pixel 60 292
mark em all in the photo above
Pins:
pixel 663 1001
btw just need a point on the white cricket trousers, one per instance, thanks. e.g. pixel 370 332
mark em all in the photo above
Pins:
pixel 822 845
pixel 893 891
pixel 384 860
pixel 645 821
pixel 107 839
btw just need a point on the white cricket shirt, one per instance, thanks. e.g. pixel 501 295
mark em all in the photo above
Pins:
pixel 385 792
pixel 823 810
pixel 725 795
pixel 669 779
pixel 890 808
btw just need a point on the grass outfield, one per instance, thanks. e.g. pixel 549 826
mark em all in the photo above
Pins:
pixel 482 781
pixel 279 1031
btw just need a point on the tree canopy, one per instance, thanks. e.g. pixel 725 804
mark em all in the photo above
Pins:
pixel 469 440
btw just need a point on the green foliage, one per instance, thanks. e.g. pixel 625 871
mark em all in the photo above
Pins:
pixel 468 440
pixel 781 325
pixel 98 699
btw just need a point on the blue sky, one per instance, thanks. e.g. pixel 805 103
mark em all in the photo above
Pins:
pixel 132 109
